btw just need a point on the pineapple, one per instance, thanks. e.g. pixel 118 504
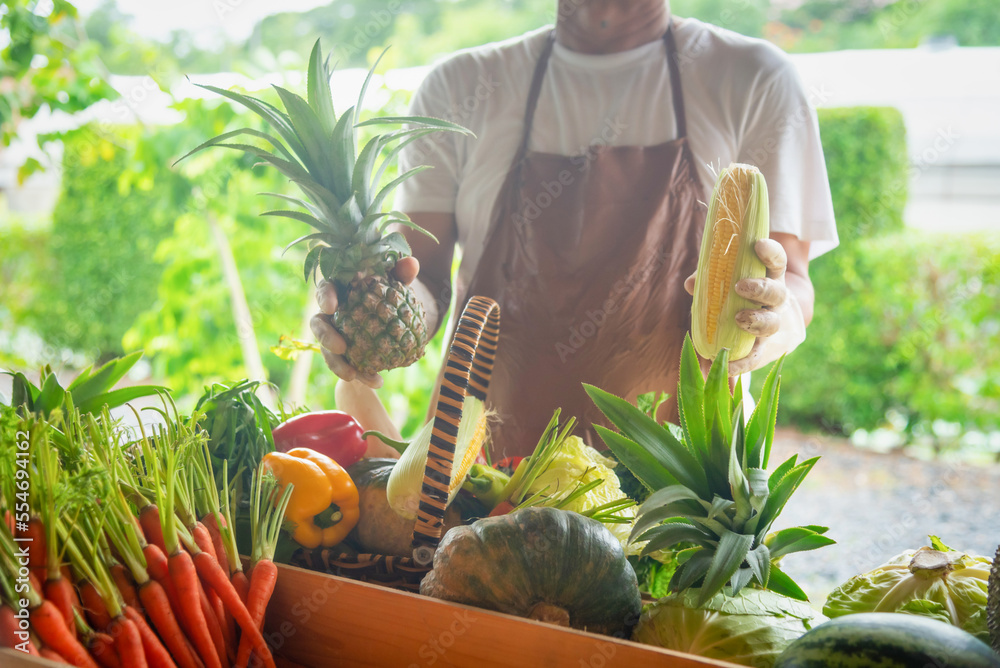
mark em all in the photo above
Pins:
pixel 350 244
pixel 710 484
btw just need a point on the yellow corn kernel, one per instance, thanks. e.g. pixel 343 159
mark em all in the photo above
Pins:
pixel 737 219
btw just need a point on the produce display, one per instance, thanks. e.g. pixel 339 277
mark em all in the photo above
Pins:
pixel 161 541
pixel 132 560
pixel 885 640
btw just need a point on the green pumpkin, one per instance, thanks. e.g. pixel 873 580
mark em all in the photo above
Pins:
pixel 380 530
pixel 541 563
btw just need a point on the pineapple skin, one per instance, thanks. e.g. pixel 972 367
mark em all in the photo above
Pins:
pixel 383 323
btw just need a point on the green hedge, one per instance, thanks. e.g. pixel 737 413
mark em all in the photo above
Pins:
pixel 105 229
pixel 904 321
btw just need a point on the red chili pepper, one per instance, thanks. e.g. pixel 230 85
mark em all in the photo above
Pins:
pixel 332 433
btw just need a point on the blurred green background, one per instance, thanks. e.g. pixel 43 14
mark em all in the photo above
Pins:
pixel 132 256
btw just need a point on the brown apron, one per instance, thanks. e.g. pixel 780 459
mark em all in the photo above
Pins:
pixel 587 256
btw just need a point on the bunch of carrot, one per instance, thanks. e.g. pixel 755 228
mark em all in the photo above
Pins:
pixel 132 559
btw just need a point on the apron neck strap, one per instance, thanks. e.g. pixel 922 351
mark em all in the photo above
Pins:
pixel 677 93
pixel 543 60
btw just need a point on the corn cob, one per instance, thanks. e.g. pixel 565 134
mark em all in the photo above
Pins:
pixel 737 219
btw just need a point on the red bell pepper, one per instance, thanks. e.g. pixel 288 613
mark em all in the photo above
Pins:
pixel 332 433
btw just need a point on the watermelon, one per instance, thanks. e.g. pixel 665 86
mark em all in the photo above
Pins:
pixel 887 640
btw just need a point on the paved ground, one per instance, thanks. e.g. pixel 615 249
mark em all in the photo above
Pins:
pixel 878 505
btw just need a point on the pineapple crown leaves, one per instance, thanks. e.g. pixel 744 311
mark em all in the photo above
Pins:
pixel 709 480
pixel 317 150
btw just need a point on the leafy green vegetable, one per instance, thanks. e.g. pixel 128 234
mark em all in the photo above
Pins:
pixel 751 628
pixel 947 585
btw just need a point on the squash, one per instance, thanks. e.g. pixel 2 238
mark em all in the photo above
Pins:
pixel 380 530
pixel 541 563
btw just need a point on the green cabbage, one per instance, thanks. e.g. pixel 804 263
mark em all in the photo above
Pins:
pixel 752 628
pixel 575 463
pixel 941 583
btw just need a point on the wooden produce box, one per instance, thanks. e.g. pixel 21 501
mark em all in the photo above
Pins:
pixel 315 620
pixel 318 620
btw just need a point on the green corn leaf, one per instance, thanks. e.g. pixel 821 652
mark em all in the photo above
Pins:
pixel 301 216
pixel 691 571
pixel 309 129
pixel 389 187
pixel 759 560
pixel 780 583
pixel 318 90
pixel 658 441
pixel 636 459
pixel 668 535
pixel 796 539
pixel 730 554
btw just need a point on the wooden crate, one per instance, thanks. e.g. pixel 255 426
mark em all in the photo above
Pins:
pixel 319 620
pixel 316 620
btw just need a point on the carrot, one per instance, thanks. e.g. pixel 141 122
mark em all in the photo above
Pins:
pixel 210 571
pixel 102 647
pixel 157 655
pixel 212 525
pixel 37 559
pixel 203 539
pixel 185 579
pixel 124 584
pixel 128 643
pixel 241 584
pixel 9 629
pixel 52 655
pixel 149 520
pixel 262 581
pixel 95 607
pixel 502 508
pixel 63 595
pixel 155 602
pixel 47 622
pixel 214 628
pixel 156 562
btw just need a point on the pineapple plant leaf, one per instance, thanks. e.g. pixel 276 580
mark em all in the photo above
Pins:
pixel 350 243
pixel 710 483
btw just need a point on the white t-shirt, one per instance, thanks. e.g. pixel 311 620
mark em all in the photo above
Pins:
pixel 743 100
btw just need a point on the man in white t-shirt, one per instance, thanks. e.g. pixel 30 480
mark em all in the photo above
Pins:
pixel 579 203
